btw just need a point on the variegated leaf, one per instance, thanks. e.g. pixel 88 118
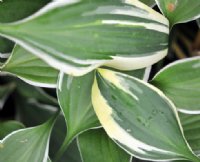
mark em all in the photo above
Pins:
pixel 74 96
pixel 27 145
pixel 30 68
pixel 30 114
pixel 139 117
pixel 178 11
pixel 7 127
pixel 12 10
pixel 191 127
pixel 95 145
pixel 150 3
pixel 180 81
pixel 77 36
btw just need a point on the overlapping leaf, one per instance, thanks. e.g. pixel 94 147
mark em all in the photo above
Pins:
pixel 149 2
pixel 7 127
pixel 30 113
pixel 139 117
pixel 78 36
pixel 36 93
pixel 191 127
pixel 74 95
pixel 142 74
pixel 180 81
pixel 96 146
pixel 29 144
pixel 178 11
pixel 30 68
pixel 12 10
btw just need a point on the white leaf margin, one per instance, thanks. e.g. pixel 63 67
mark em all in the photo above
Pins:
pixel 116 128
pixel 184 21
pixel 182 61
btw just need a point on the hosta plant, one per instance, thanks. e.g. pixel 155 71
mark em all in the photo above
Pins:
pixel 77 77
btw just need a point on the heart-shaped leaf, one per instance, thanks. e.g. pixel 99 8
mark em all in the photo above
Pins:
pixel 30 68
pixel 5 91
pixel 180 81
pixel 178 11
pixel 95 144
pixel 139 117
pixel 29 144
pixel 79 35
pixel 9 126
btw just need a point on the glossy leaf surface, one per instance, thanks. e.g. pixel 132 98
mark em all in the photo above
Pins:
pixel 178 11
pixel 30 68
pixel 180 81
pixel 96 144
pixel 78 36
pixel 139 117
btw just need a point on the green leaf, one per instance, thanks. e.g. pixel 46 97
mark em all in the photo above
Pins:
pixel 8 127
pixel 139 117
pixel 36 93
pixel 178 11
pixel 149 2
pixel 30 68
pixel 191 127
pixel 95 144
pixel 12 10
pixel 78 36
pixel 5 45
pixel 9 9
pixel 29 144
pixel 74 95
pixel 30 113
pixel 139 73
pixel 5 91
pixel 180 81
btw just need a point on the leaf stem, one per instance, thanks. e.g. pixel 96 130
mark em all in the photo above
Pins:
pixel 63 148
